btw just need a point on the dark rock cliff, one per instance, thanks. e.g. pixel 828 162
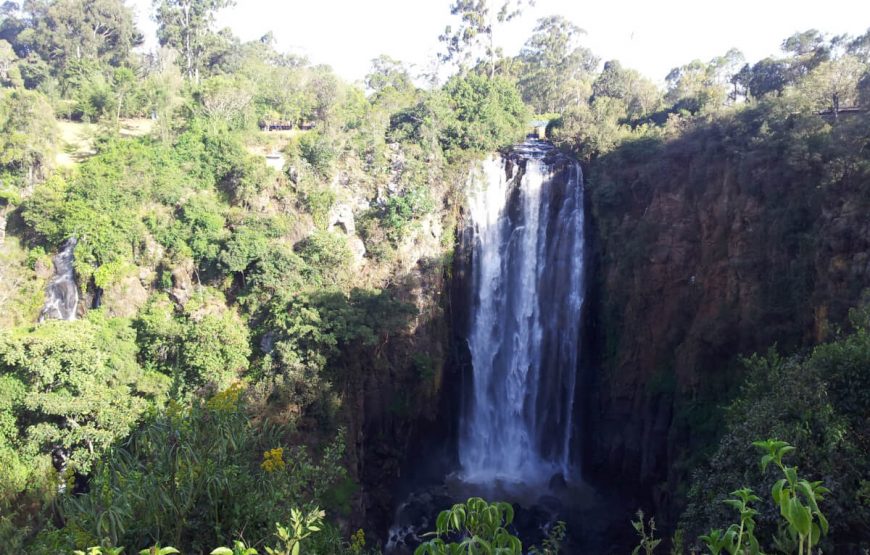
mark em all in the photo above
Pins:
pixel 709 246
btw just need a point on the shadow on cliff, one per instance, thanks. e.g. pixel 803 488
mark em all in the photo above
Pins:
pixel 737 233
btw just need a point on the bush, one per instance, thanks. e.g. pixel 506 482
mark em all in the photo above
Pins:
pixel 207 344
pixel 815 403
pixel 193 478
pixel 316 149
pixel 328 257
pixel 489 114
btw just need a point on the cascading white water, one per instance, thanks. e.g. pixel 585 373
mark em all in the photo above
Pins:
pixel 527 276
pixel 62 294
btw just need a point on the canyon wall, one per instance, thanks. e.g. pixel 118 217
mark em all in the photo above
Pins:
pixel 707 246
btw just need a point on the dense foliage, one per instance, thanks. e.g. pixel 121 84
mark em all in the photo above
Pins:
pixel 815 403
pixel 239 309
pixel 253 234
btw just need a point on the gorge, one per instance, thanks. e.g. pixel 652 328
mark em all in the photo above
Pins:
pixel 247 305
pixel 520 285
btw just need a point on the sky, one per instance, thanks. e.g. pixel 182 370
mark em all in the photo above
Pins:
pixel 648 35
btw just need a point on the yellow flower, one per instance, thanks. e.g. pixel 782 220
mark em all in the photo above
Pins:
pixel 273 460
pixel 357 541
pixel 226 400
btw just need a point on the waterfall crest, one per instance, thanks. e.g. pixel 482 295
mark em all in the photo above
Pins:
pixel 62 293
pixel 527 274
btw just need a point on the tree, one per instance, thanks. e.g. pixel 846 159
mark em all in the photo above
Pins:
pixel 205 345
pixel 489 113
pixel 474 38
pixel 864 91
pixel 74 30
pixel 226 101
pixel 591 129
pixel 640 95
pixel 215 349
pixel 834 83
pixel 696 86
pixel 727 67
pixel 388 72
pixel 185 26
pixel 860 47
pixel 766 76
pixel 28 134
pixel 808 49
pixel 124 83
pixel 80 389
pixel 162 90
pixel 555 66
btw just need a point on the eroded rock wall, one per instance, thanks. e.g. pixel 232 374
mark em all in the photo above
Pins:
pixel 704 252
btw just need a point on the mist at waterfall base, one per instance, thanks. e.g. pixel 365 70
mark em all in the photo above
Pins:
pixel 517 433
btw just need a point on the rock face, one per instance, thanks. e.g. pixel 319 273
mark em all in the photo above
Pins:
pixel 700 259
pixel 396 402
pixel 341 220
pixel 182 280
pixel 125 297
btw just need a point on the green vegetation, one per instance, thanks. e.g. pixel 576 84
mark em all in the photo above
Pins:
pixel 240 316
pixel 802 526
pixel 477 526
pixel 195 474
pixel 813 402
pixel 200 404
pixel 646 531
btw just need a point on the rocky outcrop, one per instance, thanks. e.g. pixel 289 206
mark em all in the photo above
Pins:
pixel 182 280
pixel 125 297
pixel 341 220
pixel 701 255
pixel 394 399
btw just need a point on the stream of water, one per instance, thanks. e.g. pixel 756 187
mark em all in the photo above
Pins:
pixel 62 294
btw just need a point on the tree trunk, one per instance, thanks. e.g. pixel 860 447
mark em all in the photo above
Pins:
pixel 188 49
pixel 491 56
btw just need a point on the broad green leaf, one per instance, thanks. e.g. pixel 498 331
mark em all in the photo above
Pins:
pixel 800 517
pixel 776 491
pixel 441 522
pixel 791 474
pixel 823 522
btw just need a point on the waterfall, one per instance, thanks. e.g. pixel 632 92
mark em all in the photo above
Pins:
pixel 527 273
pixel 62 294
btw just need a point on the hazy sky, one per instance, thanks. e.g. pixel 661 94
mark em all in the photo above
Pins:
pixel 651 36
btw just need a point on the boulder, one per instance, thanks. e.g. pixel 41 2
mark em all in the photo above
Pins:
pixel 125 297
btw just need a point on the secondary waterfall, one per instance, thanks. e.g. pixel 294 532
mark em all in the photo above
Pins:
pixel 527 287
pixel 62 294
